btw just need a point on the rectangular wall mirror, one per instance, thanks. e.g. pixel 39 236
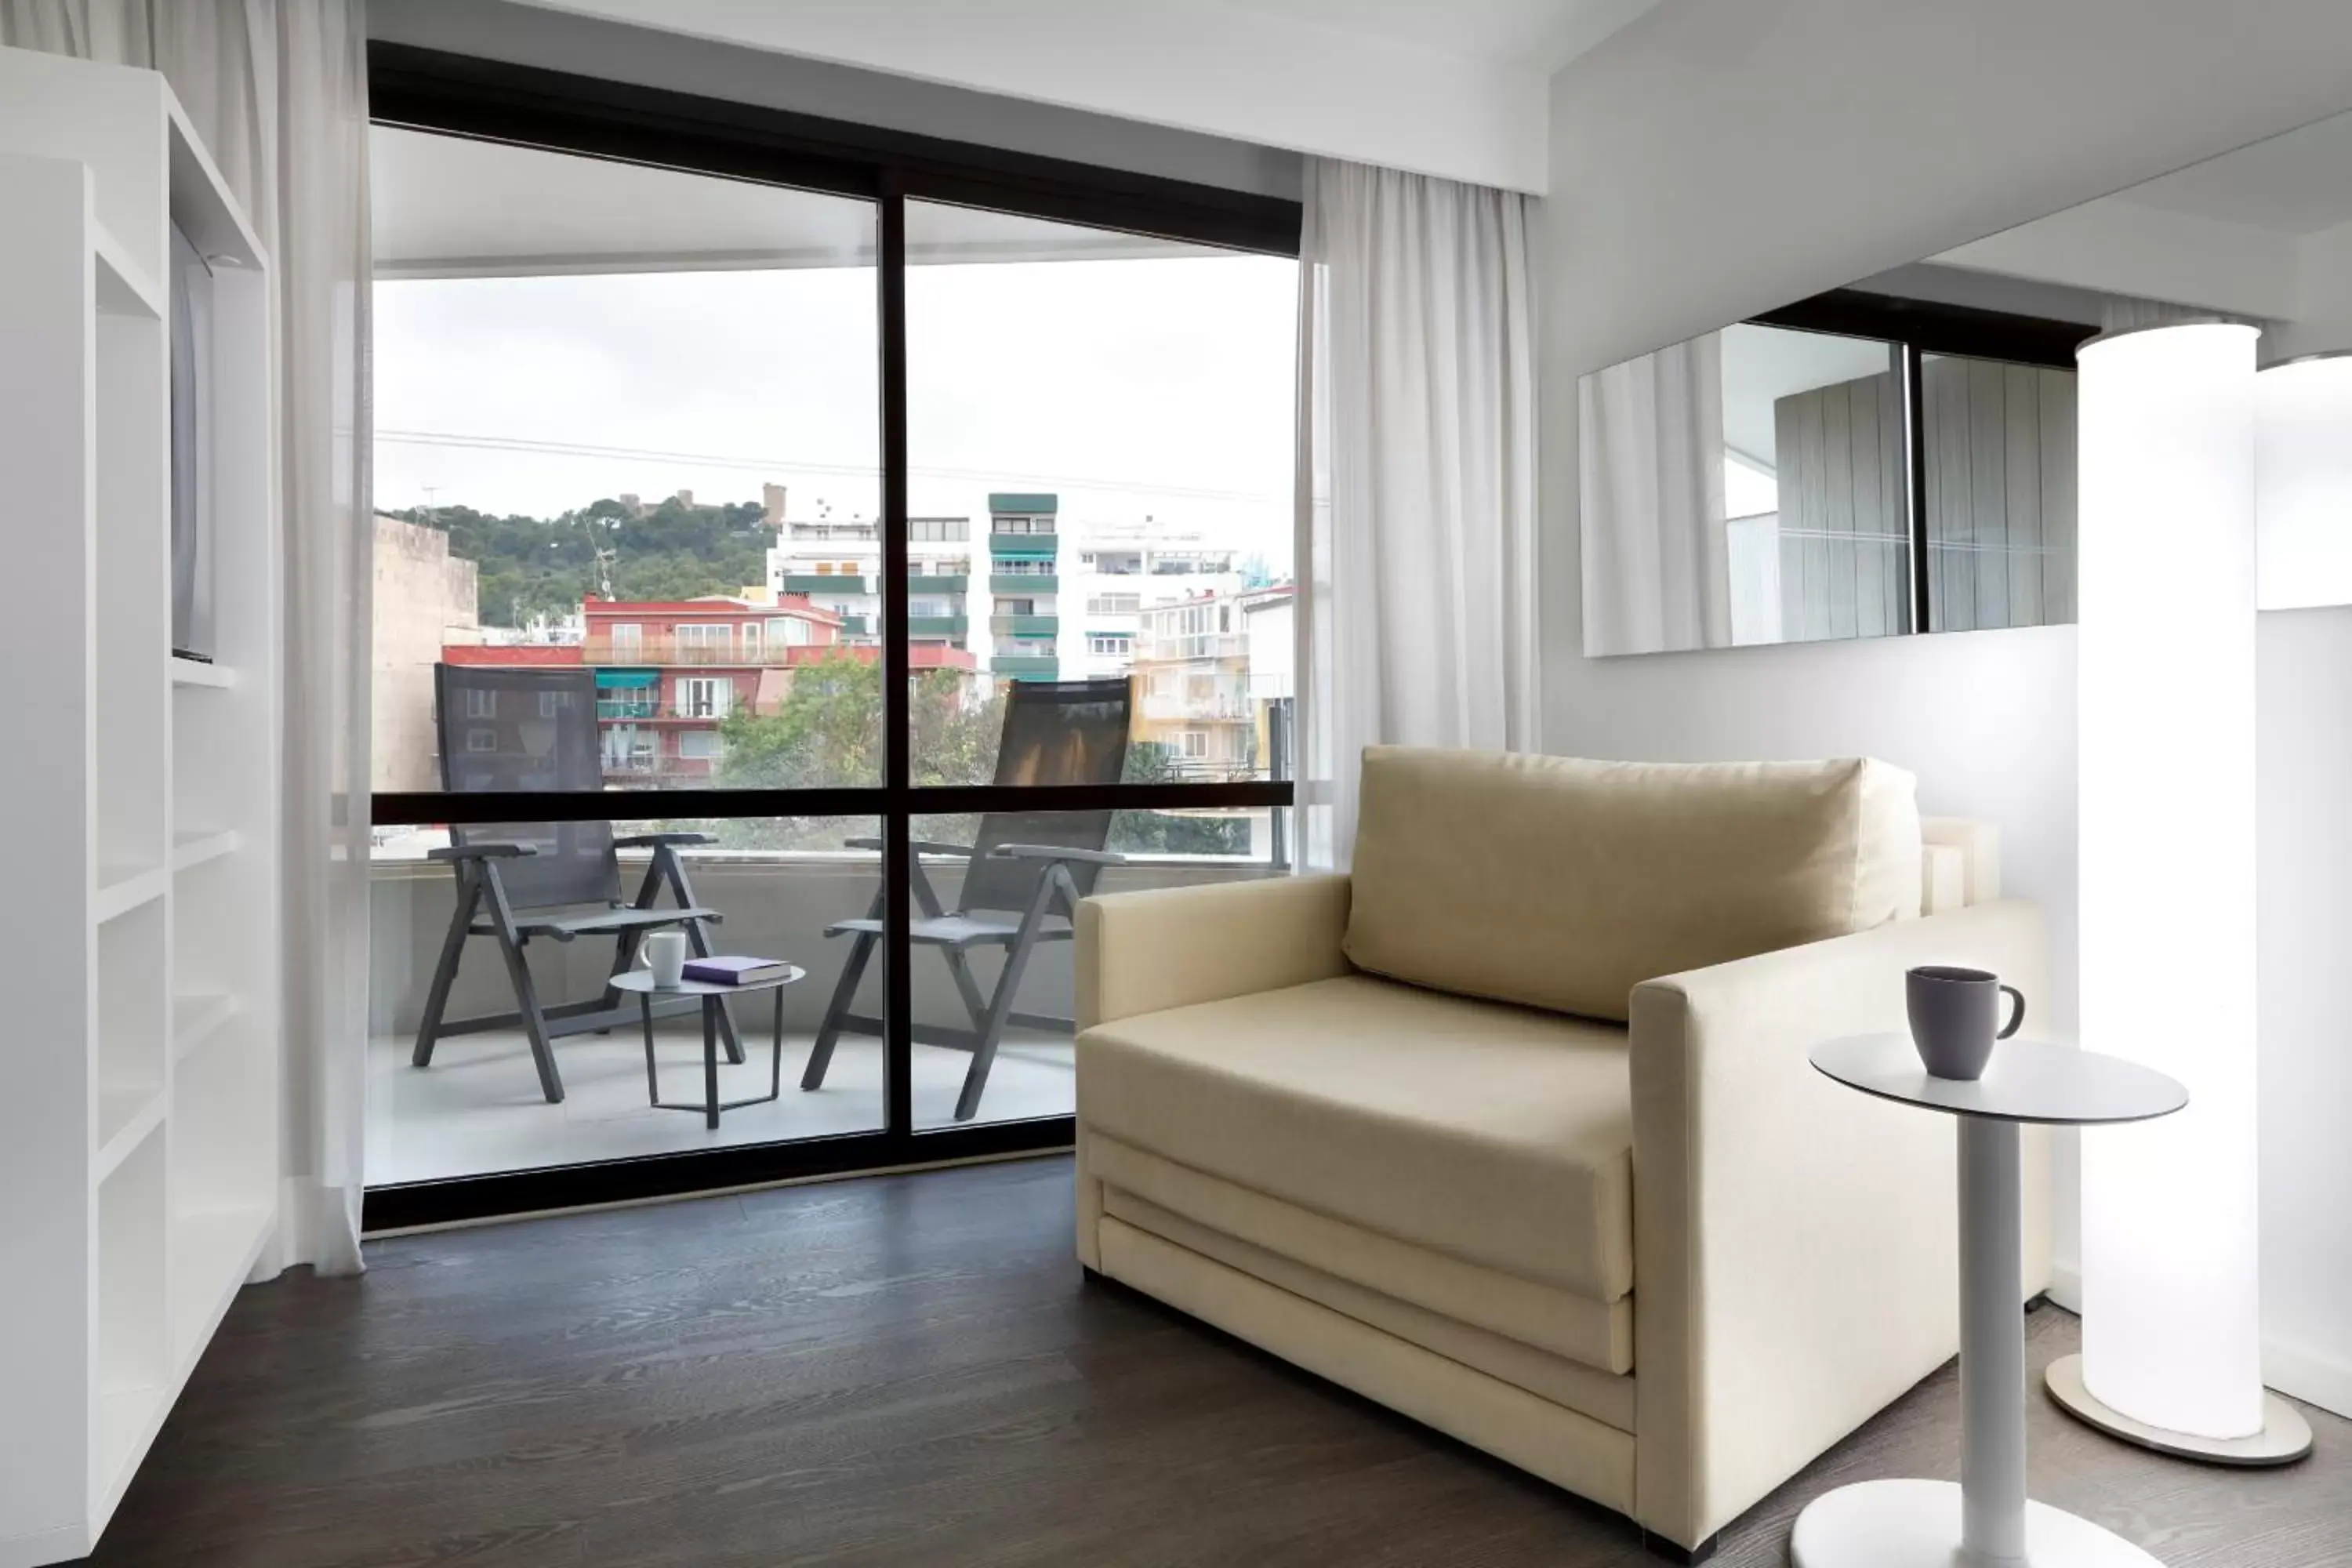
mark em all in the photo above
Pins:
pixel 1898 456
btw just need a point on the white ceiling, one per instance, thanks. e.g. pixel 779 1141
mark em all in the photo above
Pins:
pixel 1544 33
pixel 444 206
pixel 1456 88
pixel 2297 183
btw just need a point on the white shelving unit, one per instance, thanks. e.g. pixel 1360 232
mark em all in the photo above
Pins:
pixel 139 1133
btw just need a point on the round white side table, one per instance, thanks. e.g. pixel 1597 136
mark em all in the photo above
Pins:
pixel 1986 1522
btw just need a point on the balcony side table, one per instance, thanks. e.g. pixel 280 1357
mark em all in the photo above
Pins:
pixel 714 998
pixel 1986 1522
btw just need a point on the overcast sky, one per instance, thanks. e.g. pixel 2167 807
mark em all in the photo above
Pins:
pixel 1131 387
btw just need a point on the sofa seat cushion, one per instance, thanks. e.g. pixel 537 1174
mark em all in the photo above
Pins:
pixel 1494 1134
pixel 1562 883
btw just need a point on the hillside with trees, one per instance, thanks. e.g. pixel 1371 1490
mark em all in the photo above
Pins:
pixel 534 568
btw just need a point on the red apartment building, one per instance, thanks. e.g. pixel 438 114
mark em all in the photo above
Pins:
pixel 669 672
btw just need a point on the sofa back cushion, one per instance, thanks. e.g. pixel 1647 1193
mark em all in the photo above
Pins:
pixel 1562 883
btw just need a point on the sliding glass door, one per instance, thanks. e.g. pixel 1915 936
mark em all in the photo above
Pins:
pixel 1099 599
pixel 813 551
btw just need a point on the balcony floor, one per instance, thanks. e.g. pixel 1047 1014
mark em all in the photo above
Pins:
pixel 478 1109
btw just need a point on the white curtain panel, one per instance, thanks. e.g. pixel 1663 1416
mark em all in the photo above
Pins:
pixel 1416 479
pixel 1656 557
pixel 277 90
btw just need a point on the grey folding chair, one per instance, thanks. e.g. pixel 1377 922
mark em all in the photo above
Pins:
pixel 1023 875
pixel 524 729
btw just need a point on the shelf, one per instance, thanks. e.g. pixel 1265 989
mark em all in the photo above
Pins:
pixel 123 287
pixel 123 1422
pixel 195 1019
pixel 196 673
pixel 122 890
pixel 125 1117
pixel 212 1251
pixel 194 849
pixel 202 203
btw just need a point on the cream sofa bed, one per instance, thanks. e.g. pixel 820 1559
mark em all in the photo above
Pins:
pixel 1512 1129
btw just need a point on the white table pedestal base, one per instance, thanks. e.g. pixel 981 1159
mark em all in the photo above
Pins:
pixel 1917 1524
pixel 1987 1521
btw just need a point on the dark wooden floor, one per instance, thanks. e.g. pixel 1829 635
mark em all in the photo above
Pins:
pixel 908 1371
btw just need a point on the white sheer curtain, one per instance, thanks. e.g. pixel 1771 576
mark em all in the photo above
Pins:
pixel 1656 556
pixel 1417 479
pixel 277 90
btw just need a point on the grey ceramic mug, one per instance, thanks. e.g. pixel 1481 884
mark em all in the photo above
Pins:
pixel 1952 1017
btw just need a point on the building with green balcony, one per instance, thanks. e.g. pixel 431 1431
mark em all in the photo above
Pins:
pixel 1023 527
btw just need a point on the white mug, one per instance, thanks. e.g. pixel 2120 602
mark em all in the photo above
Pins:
pixel 664 953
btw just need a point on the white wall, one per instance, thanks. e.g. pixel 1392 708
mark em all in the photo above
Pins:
pixel 1255 75
pixel 1720 157
pixel 2305 857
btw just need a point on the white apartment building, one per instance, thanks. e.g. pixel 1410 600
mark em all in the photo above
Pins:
pixel 1113 572
pixel 838 564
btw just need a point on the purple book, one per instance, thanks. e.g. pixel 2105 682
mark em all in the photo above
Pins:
pixel 735 970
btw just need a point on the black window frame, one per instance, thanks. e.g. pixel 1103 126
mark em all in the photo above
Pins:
pixel 1916 328
pixel 496 100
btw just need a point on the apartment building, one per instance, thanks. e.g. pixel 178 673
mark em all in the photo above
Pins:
pixel 836 566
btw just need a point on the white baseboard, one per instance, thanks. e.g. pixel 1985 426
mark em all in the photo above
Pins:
pixel 2315 1380
pixel 2066 1286
pixel 63 1545
pixel 2293 1370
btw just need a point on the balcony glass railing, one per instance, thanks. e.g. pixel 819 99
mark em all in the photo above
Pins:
pixel 938 626
pixel 938 582
pixel 1196 645
pixel 1032 626
pixel 602 651
pixel 1023 585
pixel 825 582
pixel 1198 710
pixel 1024 546
pixel 627 706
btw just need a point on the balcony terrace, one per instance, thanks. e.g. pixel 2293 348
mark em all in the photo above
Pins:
pixel 478 1109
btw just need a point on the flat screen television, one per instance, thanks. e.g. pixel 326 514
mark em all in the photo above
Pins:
pixel 192 521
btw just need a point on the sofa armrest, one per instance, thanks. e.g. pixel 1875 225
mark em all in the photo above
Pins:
pixel 1795 1243
pixel 1171 947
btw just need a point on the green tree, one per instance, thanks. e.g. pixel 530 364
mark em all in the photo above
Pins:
pixel 1171 833
pixel 828 733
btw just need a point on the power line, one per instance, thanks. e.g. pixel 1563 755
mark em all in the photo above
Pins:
pixel 790 466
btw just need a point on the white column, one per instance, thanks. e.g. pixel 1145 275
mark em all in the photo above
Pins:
pixel 2165 661
pixel 1992 1345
